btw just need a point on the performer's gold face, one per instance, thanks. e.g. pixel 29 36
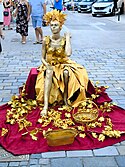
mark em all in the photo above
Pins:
pixel 55 27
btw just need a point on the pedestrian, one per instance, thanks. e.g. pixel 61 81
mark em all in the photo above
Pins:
pixel 2 36
pixel 1 22
pixel 72 4
pixel 1 12
pixel 37 10
pixel 22 18
pixel 58 5
pixel 7 14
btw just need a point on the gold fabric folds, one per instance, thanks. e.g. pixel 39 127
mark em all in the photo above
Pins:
pixel 78 77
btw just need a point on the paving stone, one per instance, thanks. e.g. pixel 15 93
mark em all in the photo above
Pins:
pixel 13 164
pixel 24 163
pixel 99 162
pixel 34 165
pixel 35 156
pixel 3 164
pixel 122 143
pixel 54 154
pixel 120 161
pixel 33 161
pixel 106 151
pixel 6 99
pixel 66 162
pixel 79 153
pixel 10 87
pixel 121 149
pixel 44 161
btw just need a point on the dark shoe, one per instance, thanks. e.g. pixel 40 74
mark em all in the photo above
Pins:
pixel 3 28
pixel 10 28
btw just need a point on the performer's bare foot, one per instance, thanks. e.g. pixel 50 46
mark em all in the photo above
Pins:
pixel 44 112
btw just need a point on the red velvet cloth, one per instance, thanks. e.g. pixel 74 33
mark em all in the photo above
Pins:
pixel 17 144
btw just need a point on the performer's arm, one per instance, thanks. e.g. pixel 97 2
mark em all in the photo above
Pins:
pixel 68 48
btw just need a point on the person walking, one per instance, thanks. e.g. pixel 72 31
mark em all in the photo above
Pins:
pixel 72 4
pixel 1 23
pixel 1 12
pixel 2 37
pixel 37 10
pixel 22 18
pixel 58 5
pixel 7 14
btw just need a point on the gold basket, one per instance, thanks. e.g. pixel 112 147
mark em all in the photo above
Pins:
pixel 60 137
pixel 86 115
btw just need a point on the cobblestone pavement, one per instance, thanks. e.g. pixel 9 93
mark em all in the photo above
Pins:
pixel 105 65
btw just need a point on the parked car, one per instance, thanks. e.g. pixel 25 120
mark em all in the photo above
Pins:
pixel 69 5
pixel 66 1
pixel 104 7
pixel 85 5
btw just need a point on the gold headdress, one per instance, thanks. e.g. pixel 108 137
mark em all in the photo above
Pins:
pixel 54 15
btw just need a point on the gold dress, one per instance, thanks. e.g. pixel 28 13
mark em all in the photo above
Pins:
pixel 78 77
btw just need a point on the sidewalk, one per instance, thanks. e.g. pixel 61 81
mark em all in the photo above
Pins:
pixel 15 64
pixel 117 19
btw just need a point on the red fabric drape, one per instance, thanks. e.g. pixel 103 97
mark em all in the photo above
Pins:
pixel 14 142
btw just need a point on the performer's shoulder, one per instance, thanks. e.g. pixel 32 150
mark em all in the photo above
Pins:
pixel 46 39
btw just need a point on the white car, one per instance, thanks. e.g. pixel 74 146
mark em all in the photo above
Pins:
pixel 105 7
pixel 85 5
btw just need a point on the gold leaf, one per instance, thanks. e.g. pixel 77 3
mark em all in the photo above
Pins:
pixel 10 102
pixel 93 96
pixel 97 82
pixel 82 135
pixel 44 133
pixel 4 131
pixel 12 121
pixel 81 128
pixel 108 128
pixel 25 133
pixel 34 137
pixel 68 115
pixel 49 129
pixel 40 120
pixel 94 135
pixel 101 119
pixel 106 87
pixel 101 137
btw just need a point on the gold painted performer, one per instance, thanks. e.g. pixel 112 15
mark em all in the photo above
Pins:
pixel 60 79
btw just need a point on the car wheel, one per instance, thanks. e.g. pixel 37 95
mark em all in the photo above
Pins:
pixel 122 9
pixel 94 15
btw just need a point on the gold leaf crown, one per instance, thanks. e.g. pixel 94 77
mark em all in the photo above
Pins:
pixel 54 15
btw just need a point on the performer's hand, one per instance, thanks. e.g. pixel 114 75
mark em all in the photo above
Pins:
pixel 67 35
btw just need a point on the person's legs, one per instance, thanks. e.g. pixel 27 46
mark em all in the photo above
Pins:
pixel 47 88
pixel 39 29
pixel 37 23
pixel 37 34
pixel 40 32
pixel 23 39
pixel 66 79
pixel 34 23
